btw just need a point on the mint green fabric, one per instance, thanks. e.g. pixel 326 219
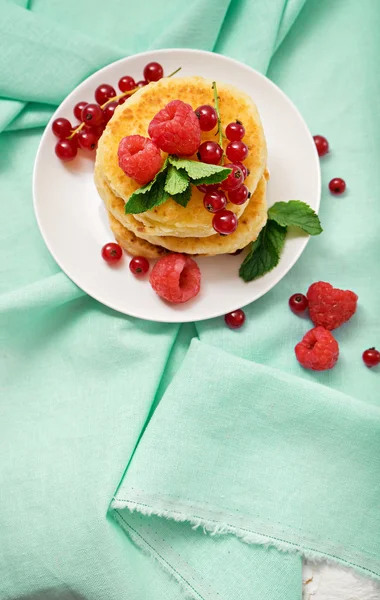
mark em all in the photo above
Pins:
pixel 100 492
pixel 256 485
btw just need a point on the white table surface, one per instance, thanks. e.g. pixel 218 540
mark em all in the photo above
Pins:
pixel 326 582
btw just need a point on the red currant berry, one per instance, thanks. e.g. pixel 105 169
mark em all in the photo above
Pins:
pixel 92 115
pixel 321 145
pixel 210 153
pixel 371 357
pixel 87 140
pixel 98 130
pixel 234 180
pixel 235 319
pixel 66 150
pixel 337 186
pixel 211 187
pixel 78 109
pixel 104 92
pixel 108 111
pixel 235 131
pixel 74 140
pixel 225 222
pixel 298 303
pixel 141 83
pixel 112 253
pixel 215 201
pixel 122 100
pixel 240 195
pixel 61 128
pixel 153 71
pixel 243 168
pixel 126 84
pixel 139 265
pixel 207 117
pixel 237 151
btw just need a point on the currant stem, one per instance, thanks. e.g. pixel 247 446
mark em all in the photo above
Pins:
pixel 219 131
pixel 114 99
pixel 174 72
pixel 75 131
pixel 118 97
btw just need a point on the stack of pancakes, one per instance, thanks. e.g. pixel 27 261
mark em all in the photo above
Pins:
pixel 171 227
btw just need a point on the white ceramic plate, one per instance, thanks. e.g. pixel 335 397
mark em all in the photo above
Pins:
pixel 73 221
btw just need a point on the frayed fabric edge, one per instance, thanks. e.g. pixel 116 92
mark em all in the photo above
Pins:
pixel 188 591
pixel 265 540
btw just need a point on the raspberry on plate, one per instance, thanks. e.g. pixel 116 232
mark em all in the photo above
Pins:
pixel 318 350
pixel 139 158
pixel 329 306
pixel 176 278
pixel 175 129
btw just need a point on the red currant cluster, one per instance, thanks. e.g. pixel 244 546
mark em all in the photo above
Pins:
pixel 94 116
pixel 215 199
pixel 337 185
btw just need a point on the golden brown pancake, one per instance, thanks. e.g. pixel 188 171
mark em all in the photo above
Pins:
pixel 131 243
pixel 249 226
pixel 134 116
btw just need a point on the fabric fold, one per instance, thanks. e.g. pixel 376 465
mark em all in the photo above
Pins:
pixel 43 37
pixel 266 456
pixel 80 382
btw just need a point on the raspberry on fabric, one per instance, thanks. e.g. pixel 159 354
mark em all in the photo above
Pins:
pixel 318 350
pixel 139 158
pixel 176 278
pixel 329 306
pixel 175 129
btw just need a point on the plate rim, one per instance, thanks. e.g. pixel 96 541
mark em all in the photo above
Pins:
pixel 177 317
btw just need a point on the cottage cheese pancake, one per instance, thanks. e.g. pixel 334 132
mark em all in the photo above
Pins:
pixel 133 118
pixel 249 227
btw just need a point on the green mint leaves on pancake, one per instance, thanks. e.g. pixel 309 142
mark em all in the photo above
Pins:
pixel 183 197
pixel 200 172
pixel 177 180
pixel 265 252
pixel 148 196
pixel 174 181
pixel 296 213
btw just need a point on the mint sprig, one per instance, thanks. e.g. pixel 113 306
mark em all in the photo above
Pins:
pixel 183 197
pixel 147 197
pixel 295 213
pixel 200 172
pixel 177 180
pixel 174 181
pixel 265 252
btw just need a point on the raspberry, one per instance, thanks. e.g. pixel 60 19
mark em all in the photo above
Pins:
pixel 175 129
pixel 318 350
pixel 329 306
pixel 139 158
pixel 176 278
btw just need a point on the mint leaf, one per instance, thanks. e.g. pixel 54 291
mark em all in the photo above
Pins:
pixel 215 178
pixel 150 195
pixel 296 213
pixel 177 181
pixel 183 198
pixel 265 252
pixel 200 172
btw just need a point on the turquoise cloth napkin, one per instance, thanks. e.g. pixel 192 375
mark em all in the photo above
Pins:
pixel 274 461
